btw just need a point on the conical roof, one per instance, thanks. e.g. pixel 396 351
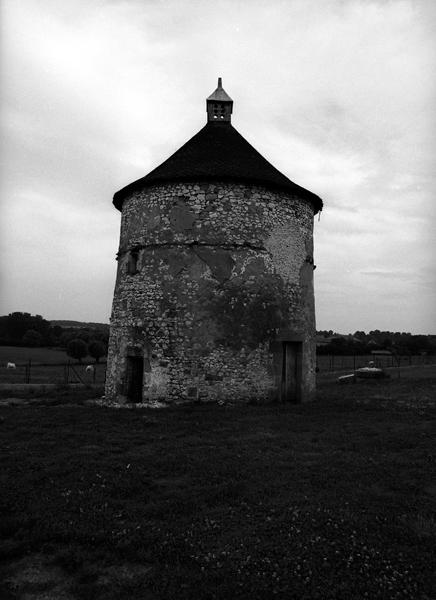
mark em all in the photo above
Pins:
pixel 218 152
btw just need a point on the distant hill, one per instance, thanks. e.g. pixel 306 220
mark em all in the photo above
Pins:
pixel 80 325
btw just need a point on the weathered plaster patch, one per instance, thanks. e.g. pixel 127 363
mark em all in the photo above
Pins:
pixel 287 248
pixel 181 217
pixel 218 260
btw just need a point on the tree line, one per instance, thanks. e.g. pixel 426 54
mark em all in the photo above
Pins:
pixel 24 329
pixel 359 342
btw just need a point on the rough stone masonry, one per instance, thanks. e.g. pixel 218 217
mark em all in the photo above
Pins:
pixel 214 293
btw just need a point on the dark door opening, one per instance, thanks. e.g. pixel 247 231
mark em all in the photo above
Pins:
pixel 291 371
pixel 134 378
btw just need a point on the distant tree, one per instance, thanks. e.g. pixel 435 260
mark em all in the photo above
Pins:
pixel 66 338
pixel 77 349
pixel 360 334
pixel 16 324
pixel 83 334
pixel 324 333
pixel 97 349
pixel 100 334
pixel 56 331
pixel 386 343
pixel 33 338
pixel 338 345
pixel 55 335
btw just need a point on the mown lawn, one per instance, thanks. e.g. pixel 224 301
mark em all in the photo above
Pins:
pixel 19 355
pixel 332 500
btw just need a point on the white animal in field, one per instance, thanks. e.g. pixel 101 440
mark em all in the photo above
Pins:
pixel 11 366
pixel 89 369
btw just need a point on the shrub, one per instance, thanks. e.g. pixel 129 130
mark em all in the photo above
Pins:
pixel 32 338
pixel 97 349
pixel 77 349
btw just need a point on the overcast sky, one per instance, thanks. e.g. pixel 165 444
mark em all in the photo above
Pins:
pixel 338 94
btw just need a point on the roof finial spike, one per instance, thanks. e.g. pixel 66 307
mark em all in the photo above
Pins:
pixel 220 82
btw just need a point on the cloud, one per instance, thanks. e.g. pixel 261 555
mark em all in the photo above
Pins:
pixel 338 95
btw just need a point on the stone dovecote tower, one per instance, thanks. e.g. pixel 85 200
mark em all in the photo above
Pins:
pixel 214 292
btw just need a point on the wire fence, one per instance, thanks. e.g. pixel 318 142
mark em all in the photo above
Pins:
pixel 336 362
pixel 64 373
pixel 60 373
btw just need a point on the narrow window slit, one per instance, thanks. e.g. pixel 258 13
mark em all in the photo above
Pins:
pixel 132 262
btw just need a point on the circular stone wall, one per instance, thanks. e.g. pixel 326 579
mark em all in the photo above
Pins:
pixel 213 281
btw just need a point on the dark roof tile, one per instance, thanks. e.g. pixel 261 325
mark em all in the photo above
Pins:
pixel 218 153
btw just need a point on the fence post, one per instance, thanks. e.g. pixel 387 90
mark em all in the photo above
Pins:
pixel 27 371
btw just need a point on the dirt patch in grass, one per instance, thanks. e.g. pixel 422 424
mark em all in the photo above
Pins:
pixel 332 500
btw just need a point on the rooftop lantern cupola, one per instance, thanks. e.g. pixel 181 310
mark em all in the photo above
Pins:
pixel 219 105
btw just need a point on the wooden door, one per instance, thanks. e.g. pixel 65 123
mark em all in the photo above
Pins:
pixel 135 374
pixel 291 371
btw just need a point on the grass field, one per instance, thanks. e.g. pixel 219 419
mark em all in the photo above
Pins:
pixel 46 366
pixel 331 500
pixel 20 355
